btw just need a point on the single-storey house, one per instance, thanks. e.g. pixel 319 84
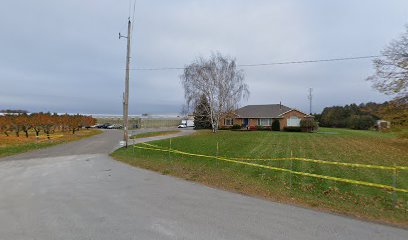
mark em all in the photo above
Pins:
pixel 252 116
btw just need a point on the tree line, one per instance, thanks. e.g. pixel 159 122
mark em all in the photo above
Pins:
pixel 364 116
pixel 43 122
pixel 13 111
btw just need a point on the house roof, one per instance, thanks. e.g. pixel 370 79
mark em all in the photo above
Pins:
pixel 293 109
pixel 262 111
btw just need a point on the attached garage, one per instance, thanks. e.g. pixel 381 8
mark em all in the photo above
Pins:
pixel 293 121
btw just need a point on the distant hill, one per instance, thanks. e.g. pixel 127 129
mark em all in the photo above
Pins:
pixel 13 111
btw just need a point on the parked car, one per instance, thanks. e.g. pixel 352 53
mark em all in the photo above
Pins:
pixel 104 126
pixel 115 126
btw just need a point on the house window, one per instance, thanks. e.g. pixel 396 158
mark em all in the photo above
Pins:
pixel 264 121
pixel 293 121
pixel 228 122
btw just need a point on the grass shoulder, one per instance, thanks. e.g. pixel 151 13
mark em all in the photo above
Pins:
pixel 337 145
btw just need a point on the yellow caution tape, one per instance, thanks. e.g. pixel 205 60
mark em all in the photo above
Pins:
pixel 311 160
pixel 324 162
pixel 363 183
pixel 151 145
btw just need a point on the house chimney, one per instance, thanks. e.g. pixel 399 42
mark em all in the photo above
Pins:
pixel 280 105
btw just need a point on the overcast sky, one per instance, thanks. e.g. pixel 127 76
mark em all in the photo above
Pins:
pixel 65 56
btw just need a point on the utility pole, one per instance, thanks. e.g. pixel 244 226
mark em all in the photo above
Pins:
pixel 310 97
pixel 126 93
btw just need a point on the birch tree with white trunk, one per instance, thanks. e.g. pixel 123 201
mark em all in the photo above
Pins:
pixel 219 81
pixel 391 71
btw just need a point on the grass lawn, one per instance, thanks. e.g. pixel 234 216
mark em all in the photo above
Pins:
pixel 154 134
pixel 13 145
pixel 340 145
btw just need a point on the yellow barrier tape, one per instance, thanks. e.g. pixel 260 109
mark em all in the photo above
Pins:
pixel 323 162
pixel 312 160
pixel 357 182
pixel 151 145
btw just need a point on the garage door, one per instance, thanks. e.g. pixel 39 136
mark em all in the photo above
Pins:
pixel 293 122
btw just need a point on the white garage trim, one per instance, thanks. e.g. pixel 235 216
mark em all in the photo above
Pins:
pixel 293 121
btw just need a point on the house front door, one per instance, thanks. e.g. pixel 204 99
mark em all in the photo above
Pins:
pixel 246 121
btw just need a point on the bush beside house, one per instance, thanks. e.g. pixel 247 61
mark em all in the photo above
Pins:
pixel 308 125
pixel 236 126
pixel 292 129
pixel 276 125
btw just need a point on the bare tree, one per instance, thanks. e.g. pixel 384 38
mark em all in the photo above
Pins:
pixel 25 123
pixel 35 120
pixel 185 110
pixel 391 75
pixel 6 124
pixel 219 81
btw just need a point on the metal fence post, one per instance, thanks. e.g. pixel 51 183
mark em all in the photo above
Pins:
pixel 133 146
pixel 291 169
pixel 394 184
pixel 217 149
pixel 170 150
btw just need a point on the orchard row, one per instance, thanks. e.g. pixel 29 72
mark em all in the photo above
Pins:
pixel 43 122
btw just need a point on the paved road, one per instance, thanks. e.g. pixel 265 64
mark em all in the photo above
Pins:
pixel 103 143
pixel 78 192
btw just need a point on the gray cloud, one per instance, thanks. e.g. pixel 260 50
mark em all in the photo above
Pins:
pixel 64 56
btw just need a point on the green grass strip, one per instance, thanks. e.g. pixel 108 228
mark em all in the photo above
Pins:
pixel 310 160
pixel 376 185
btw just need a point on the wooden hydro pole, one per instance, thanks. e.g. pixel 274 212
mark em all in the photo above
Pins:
pixel 126 93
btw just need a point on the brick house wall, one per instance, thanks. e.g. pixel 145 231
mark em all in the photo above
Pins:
pixel 284 120
pixel 253 122
pixel 221 124
pixel 238 121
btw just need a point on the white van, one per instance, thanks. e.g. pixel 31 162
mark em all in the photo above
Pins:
pixel 186 123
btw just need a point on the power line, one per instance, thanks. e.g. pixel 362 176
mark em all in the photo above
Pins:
pixel 272 63
pixel 157 69
pixel 311 61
